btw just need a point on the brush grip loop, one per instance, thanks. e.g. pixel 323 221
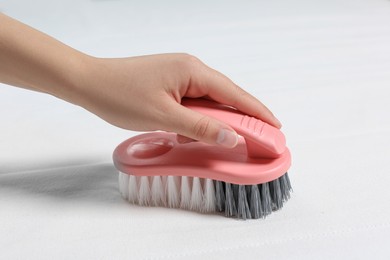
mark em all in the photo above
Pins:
pixel 262 140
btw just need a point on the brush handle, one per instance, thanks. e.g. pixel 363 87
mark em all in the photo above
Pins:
pixel 262 140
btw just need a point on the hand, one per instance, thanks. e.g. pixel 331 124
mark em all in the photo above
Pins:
pixel 144 93
pixel 138 93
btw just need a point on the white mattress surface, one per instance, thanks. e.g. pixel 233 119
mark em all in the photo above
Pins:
pixel 323 67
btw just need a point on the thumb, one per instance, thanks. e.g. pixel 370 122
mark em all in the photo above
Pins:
pixel 199 127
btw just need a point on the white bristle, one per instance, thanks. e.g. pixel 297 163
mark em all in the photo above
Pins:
pixel 144 191
pixel 123 184
pixel 185 193
pixel 196 195
pixel 133 189
pixel 173 191
pixel 158 197
pixel 209 196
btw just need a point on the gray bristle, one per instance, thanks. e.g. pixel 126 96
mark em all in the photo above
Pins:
pixel 219 196
pixel 230 203
pixel 252 201
pixel 266 199
pixel 243 210
pixel 235 192
pixel 255 203
pixel 276 194
pixel 285 187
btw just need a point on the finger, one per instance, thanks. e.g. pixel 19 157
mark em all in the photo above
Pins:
pixel 181 139
pixel 196 126
pixel 221 89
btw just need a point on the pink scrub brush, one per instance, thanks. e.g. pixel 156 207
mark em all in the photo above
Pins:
pixel 248 181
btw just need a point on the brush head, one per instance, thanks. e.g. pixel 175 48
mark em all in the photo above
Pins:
pixel 156 170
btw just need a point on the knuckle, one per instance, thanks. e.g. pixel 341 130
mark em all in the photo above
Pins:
pixel 188 61
pixel 239 96
pixel 201 128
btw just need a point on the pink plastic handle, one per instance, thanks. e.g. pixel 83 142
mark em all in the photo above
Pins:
pixel 262 140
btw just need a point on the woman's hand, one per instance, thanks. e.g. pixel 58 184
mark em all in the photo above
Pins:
pixel 144 93
pixel 138 93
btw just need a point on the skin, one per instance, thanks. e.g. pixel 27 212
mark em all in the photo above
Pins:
pixel 135 93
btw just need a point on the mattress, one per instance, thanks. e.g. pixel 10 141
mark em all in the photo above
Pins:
pixel 321 66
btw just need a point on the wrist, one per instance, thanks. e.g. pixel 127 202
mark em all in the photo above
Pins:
pixel 77 74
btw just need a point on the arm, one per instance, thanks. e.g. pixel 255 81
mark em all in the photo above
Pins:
pixel 33 60
pixel 137 93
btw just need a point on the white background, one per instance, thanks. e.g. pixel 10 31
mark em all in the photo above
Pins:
pixel 323 67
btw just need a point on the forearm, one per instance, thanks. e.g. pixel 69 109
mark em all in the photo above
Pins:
pixel 34 60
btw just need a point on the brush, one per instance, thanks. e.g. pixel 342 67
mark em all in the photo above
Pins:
pixel 249 181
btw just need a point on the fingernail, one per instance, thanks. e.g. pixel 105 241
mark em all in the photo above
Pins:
pixel 227 138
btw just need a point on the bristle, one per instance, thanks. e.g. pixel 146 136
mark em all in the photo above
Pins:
pixel 285 187
pixel 157 192
pixel 266 199
pixel 242 204
pixel 276 194
pixel 124 184
pixel 207 195
pixel 144 191
pixel 220 196
pixel 235 193
pixel 185 193
pixel 288 181
pixel 230 203
pixel 133 189
pixel 172 190
pixel 255 203
pixel 209 204
pixel 196 195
